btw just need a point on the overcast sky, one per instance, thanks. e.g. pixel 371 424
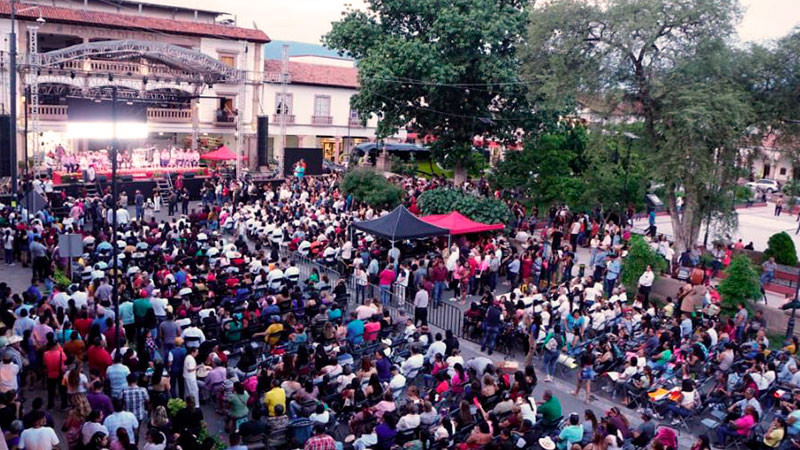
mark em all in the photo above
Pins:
pixel 308 20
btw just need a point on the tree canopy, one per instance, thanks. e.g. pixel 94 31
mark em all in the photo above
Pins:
pixel 444 67
pixel 669 64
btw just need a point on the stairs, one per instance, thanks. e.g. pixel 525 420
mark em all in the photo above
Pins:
pixel 92 189
pixel 164 184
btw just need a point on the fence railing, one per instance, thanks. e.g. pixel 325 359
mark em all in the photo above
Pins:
pixel 396 298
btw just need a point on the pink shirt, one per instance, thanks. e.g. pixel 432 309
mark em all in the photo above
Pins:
pixel 386 277
pixel 744 424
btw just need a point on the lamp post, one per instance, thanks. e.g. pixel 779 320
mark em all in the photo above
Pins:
pixel 793 305
pixel 12 145
pixel 114 199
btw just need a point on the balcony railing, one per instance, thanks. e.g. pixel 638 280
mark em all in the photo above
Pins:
pixel 124 68
pixel 168 115
pixel 278 118
pixel 225 118
pixel 355 123
pixel 321 120
pixel 51 112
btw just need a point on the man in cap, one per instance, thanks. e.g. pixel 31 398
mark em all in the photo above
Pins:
pixel 175 361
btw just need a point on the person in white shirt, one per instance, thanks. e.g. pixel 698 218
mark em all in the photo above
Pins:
pixel 190 375
pixel 39 437
pixel 398 381
pixel 645 285
pixel 121 419
pixel 410 420
pixel 8 374
pixel 159 305
pixel 414 362
pixel 193 335
pixel 438 347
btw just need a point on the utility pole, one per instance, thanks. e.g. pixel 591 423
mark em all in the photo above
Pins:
pixel 284 106
pixel 12 65
pixel 114 199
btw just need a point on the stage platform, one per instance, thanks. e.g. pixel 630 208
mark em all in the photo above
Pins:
pixel 61 177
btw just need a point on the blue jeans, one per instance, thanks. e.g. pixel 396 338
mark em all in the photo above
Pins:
pixel 139 212
pixel 438 288
pixel 608 285
pixel 723 431
pixel 489 338
pixel 9 256
pixel 386 293
pixel 677 409
pixel 767 277
pixel 550 361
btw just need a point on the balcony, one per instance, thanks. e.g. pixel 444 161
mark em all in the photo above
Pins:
pixel 51 112
pixel 167 115
pixel 278 119
pixel 355 123
pixel 321 120
pixel 224 118
pixel 124 68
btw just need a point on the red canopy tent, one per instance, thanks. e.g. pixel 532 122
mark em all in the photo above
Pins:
pixel 458 224
pixel 221 154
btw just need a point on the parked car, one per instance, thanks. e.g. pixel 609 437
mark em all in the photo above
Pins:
pixel 766 185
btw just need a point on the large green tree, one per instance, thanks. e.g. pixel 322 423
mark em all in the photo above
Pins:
pixel 662 59
pixel 444 67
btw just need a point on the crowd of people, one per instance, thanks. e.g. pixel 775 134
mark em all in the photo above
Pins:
pixel 70 161
pixel 260 304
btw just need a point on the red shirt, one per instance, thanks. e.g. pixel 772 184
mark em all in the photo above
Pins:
pixel 99 359
pixel 386 277
pixel 371 330
pixel 54 361
pixel 83 326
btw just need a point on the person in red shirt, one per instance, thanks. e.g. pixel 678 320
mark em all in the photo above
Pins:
pixel 372 329
pixel 54 361
pixel 98 357
pixel 110 333
pixel 83 323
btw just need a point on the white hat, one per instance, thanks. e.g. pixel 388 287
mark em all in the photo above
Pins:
pixel 213 251
pixel 547 443
pixel 14 339
pixel 185 291
pixel 202 237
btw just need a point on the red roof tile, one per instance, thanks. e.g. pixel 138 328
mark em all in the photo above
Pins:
pixel 317 74
pixel 99 18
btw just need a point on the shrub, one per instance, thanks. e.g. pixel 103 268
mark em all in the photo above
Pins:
pixel 174 405
pixel 480 209
pixel 781 246
pixel 640 255
pixel 371 188
pixel 741 283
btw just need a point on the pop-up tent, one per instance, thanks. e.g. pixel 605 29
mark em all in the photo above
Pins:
pixel 400 225
pixel 221 154
pixel 459 224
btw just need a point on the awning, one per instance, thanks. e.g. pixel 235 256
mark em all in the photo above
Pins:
pixel 221 154
pixel 400 225
pixel 459 224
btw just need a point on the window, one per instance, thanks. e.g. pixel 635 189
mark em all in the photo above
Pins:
pixel 228 60
pixel 283 106
pixel 354 115
pixel 322 106
pixel 783 170
pixel 226 111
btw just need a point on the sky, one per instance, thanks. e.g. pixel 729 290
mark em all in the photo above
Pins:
pixel 308 20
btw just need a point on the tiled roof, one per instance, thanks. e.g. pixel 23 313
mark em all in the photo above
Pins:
pixel 317 74
pixel 99 18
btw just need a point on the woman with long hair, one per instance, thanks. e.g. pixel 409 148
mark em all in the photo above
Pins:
pixel 591 426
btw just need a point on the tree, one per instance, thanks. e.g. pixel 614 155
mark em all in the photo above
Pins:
pixel 640 255
pixel 371 188
pixel 741 283
pixel 781 247
pixel 447 68
pixel 480 209
pixel 548 168
pixel 666 61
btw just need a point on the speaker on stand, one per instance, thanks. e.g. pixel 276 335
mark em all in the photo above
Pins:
pixel 262 142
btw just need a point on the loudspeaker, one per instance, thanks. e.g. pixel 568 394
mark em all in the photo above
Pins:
pixel 262 144
pixel 126 178
pixel 188 175
pixel 5 146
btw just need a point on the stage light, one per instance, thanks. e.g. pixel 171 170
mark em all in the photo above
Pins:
pixel 110 77
pixel 72 75
pixel 144 81
pixel 105 130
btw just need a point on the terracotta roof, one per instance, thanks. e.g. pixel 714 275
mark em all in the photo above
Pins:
pixel 99 18
pixel 316 74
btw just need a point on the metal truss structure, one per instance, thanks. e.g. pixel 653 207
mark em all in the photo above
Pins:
pixel 200 67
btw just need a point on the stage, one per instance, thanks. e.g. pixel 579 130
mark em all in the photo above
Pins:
pixel 62 177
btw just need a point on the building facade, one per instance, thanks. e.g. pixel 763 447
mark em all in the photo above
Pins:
pixel 315 108
pixel 178 52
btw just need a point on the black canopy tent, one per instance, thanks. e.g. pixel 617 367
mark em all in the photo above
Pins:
pixel 400 225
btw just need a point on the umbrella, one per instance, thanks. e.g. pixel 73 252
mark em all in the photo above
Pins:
pixel 221 154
